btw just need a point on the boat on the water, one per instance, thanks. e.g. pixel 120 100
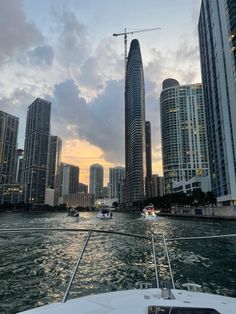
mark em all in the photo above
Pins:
pixel 147 297
pixel 72 212
pixel 149 213
pixel 105 214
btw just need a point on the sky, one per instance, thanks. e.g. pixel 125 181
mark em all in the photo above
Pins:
pixel 64 51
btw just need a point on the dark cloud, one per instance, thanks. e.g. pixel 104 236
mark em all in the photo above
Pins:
pixel 41 56
pixel 17 34
pixel 100 122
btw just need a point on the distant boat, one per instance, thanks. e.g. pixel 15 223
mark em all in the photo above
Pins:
pixel 105 214
pixel 149 213
pixel 72 212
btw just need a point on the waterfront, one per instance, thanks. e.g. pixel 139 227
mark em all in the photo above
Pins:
pixel 35 267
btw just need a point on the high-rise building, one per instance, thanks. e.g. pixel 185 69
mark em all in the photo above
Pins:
pixel 217 38
pixel 36 150
pixel 183 132
pixel 148 178
pixel 70 179
pixel 96 180
pixel 83 188
pixel 54 161
pixel 19 165
pixel 134 126
pixel 116 176
pixel 157 186
pixel 8 145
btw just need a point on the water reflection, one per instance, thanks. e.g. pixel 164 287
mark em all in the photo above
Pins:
pixel 35 268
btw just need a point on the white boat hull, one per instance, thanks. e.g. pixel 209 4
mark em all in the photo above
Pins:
pixel 140 302
pixel 101 216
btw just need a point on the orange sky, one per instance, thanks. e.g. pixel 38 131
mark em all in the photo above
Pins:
pixel 80 153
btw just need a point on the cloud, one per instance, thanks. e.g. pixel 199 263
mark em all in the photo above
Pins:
pixel 99 122
pixel 17 34
pixel 41 56
pixel 72 43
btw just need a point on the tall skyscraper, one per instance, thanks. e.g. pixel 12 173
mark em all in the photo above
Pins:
pixel 53 170
pixel 183 132
pixel 8 145
pixel 134 126
pixel 217 38
pixel 19 165
pixel 70 179
pixel 116 176
pixel 96 180
pixel 148 178
pixel 36 150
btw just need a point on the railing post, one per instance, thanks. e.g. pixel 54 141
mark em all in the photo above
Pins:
pixel 154 261
pixel 76 267
pixel 168 259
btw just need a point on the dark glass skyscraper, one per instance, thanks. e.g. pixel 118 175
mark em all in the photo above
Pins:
pixel 8 145
pixel 36 150
pixel 217 38
pixel 53 169
pixel 135 161
pixel 148 178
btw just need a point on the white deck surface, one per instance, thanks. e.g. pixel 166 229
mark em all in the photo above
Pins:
pixel 137 302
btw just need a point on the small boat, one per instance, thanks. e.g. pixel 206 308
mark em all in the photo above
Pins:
pixel 104 214
pixel 149 213
pixel 72 212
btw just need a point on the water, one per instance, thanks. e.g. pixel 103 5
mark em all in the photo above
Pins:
pixel 35 267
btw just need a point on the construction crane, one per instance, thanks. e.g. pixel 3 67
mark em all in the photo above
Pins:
pixel 125 33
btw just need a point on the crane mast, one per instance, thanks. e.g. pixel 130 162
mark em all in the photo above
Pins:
pixel 125 33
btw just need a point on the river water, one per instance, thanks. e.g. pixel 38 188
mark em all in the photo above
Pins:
pixel 35 267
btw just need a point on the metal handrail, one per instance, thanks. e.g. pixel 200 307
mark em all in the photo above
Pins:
pixel 23 230
pixel 76 267
pixel 156 235
pixel 169 265
pixel 154 260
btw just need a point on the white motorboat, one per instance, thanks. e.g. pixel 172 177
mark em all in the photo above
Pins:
pixel 105 214
pixel 147 298
pixel 149 213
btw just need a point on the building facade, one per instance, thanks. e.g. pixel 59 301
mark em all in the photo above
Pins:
pixel 53 170
pixel 148 178
pixel 8 146
pixel 135 147
pixel 70 179
pixel 11 193
pixel 196 183
pixel 19 165
pixel 217 39
pixel 96 180
pixel 79 199
pixel 157 186
pixel 36 151
pixel 116 176
pixel 183 132
pixel 83 188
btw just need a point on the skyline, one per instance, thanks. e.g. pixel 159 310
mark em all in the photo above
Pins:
pixel 85 83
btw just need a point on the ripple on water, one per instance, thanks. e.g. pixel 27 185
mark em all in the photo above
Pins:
pixel 35 268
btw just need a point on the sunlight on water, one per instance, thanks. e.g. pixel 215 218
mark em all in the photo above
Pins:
pixel 35 267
